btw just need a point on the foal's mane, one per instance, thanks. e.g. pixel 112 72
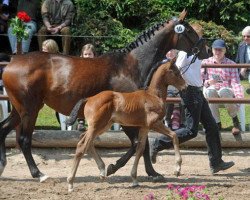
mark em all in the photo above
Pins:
pixel 145 36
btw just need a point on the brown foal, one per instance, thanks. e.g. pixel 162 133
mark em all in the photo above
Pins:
pixel 143 108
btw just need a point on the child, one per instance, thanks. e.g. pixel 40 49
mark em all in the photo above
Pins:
pixel 88 51
pixel 50 46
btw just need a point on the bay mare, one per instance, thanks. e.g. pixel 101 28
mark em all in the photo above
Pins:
pixel 144 109
pixel 34 79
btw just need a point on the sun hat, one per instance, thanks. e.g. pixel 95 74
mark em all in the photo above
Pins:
pixel 219 44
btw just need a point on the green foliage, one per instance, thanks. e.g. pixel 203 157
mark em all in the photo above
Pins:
pixel 229 13
pixel 115 23
pixel 213 31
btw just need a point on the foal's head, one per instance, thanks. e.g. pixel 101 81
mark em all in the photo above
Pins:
pixel 170 75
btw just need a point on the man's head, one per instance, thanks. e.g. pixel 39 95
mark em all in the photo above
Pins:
pixel 219 49
pixel 246 35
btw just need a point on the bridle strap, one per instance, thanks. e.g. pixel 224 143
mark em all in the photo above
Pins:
pixel 195 50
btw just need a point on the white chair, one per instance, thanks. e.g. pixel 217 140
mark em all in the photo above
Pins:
pixel 242 117
pixel 4 107
pixel 62 119
pixel 115 127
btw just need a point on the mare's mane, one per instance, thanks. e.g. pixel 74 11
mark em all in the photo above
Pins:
pixel 152 71
pixel 145 36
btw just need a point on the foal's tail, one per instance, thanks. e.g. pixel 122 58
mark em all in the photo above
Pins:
pixel 73 115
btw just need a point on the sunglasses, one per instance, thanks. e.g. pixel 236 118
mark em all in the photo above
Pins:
pixel 246 36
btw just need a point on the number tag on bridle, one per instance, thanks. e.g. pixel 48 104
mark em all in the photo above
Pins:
pixel 179 28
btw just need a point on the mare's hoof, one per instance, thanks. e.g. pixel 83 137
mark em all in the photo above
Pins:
pixel 158 178
pixel 111 169
pixel 43 178
pixel 1 168
pixel 177 173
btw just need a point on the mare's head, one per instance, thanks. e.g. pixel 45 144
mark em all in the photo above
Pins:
pixel 152 45
pixel 189 38
pixel 168 74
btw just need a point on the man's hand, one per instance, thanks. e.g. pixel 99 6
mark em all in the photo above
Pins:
pixel 243 72
pixel 53 30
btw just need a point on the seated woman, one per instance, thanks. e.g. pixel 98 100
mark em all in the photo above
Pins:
pixel 222 83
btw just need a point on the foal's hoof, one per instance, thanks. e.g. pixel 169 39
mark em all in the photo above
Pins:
pixel 70 188
pixel 111 169
pixel 135 184
pixel 43 178
pixel 177 173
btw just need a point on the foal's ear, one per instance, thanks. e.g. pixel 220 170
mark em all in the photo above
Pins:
pixel 172 61
pixel 183 15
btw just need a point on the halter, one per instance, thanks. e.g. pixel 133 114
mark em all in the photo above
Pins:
pixel 195 50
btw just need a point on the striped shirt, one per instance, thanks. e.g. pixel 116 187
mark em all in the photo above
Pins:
pixel 228 77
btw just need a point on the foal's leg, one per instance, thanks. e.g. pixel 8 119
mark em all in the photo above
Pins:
pixel 5 127
pixel 98 160
pixel 139 151
pixel 81 148
pixel 161 128
pixel 132 133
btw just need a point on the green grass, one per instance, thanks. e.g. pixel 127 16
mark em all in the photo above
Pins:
pixel 47 118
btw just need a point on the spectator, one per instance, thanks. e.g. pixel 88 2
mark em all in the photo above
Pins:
pixel 3 58
pixel 222 83
pixel 31 7
pixel 4 15
pixel 243 53
pixel 88 51
pixel 57 17
pixel 196 110
pixel 50 46
pixel 173 114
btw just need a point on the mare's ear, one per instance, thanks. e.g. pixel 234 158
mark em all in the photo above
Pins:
pixel 183 15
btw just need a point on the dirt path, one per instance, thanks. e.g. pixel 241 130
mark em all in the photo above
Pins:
pixel 17 183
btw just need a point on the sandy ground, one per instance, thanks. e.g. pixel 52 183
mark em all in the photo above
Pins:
pixel 17 183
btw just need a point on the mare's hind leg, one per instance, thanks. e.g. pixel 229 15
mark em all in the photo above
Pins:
pixel 5 127
pixel 82 147
pixel 132 134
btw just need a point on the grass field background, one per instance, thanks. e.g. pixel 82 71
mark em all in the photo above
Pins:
pixel 47 118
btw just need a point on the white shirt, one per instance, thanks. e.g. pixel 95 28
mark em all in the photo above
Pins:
pixel 191 74
pixel 6 2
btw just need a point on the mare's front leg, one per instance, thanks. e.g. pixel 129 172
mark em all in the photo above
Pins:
pixel 132 133
pixel 25 139
pixel 161 128
pixel 5 127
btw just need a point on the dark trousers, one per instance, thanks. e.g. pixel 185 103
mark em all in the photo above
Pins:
pixel 196 110
pixel 66 39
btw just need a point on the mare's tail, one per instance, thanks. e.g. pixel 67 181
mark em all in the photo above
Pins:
pixel 73 115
